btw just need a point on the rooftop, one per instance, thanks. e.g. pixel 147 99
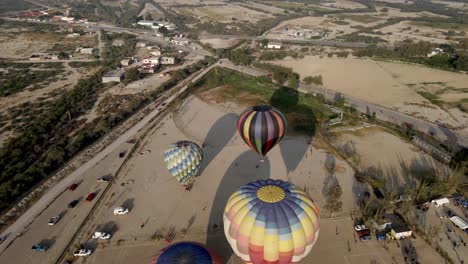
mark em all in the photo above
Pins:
pixel 399 228
pixel 114 73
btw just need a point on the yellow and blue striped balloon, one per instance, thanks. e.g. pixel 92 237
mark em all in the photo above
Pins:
pixel 271 222
pixel 183 160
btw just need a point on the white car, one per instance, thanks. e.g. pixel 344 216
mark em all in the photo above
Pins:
pixel 101 235
pixel 82 252
pixel 54 220
pixel 360 227
pixel 120 211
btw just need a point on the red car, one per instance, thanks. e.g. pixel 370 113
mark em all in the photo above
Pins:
pixel 73 187
pixel 90 197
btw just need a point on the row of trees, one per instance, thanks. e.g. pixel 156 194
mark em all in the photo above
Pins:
pixel 416 52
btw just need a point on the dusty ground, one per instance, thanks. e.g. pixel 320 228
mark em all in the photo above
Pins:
pixel 344 4
pixel 197 215
pixel 224 13
pixel 21 45
pixel 150 9
pixel 389 84
pixel 219 43
pixel 392 157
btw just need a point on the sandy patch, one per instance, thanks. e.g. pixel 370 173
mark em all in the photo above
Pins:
pixel 392 157
pixel 152 10
pixel 407 30
pixel 219 43
pixel 266 8
pixel 346 4
pixel 225 13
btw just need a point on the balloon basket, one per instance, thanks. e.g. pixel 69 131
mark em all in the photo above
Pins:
pixel 262 160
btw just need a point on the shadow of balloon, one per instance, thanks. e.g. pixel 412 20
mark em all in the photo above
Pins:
pixel 244 169
pixel 217 138
pixel 301 120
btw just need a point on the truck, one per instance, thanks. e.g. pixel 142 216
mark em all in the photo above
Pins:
pixel 101 235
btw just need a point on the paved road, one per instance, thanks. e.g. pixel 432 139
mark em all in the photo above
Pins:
pixel 290 40
pixel 442 133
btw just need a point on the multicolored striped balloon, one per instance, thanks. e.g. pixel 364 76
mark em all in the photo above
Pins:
pixel 187 253
pixel 271 221
pixel 183 160
pixel 261 127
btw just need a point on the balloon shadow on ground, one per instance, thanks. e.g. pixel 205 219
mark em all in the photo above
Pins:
pixel 217 138
pixel 244 169
pixel 301 121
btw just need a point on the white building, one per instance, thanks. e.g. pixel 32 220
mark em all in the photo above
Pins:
pixel 145 23
pixel 458 221
pixel 440 202
pixel 156 53
pixel 151 60
pixel 126 62
pixel 88 51
pixel 141 44
pixel 73 35
pixel 400 231
pixel 180 41
pixel 157 24
pixel 274 45
pixel 167 60
pixel 435 51
pixel 113 76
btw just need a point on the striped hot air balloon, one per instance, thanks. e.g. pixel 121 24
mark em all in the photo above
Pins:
pixel 261 127
pixel 187 253
pixel 183 160
pixel 271 221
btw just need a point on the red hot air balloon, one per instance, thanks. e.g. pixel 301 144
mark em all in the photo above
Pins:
pixel 261 127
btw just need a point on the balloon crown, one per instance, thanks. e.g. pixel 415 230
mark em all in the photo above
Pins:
pixel 261 108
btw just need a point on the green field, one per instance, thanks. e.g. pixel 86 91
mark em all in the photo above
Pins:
pixel 360 18
pixel 302 111
pixel 440 25
pixel 15 5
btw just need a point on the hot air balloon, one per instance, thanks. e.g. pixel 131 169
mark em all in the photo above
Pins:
pixel 183 160
pixel 187 253
pixel 271 221
pixel 261 127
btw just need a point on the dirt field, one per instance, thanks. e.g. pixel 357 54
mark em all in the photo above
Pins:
pixel 21 45
pixel 393 158
pixel 389 84
pixel 151 10
pixel 344 4
pixel 219 43
pixel 224 13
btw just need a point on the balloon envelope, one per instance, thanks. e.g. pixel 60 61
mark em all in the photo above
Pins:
pixel 261 127
pixel 187 253
pixel 271 221
pixel 183 160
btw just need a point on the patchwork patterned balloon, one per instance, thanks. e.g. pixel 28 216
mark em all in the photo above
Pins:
pixel 183 160
pixel 261 127
pixel 271 221
pixel 187 253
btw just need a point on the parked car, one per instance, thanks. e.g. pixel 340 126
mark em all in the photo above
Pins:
pixel 73 203
pixel 104 179
pixel 54 220
pixel 120 211
pixel 2 238
pixel 122 154
pixel 101 235
pixel 73 187
pixel 40 248
pixel 360 227
pixel 90 197
pixel 82 252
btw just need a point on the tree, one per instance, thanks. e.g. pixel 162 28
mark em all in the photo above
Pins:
pixel 293 80
pixel 163 30
pixel 131 75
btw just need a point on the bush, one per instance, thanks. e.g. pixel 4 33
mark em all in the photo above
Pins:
pixel 317 79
